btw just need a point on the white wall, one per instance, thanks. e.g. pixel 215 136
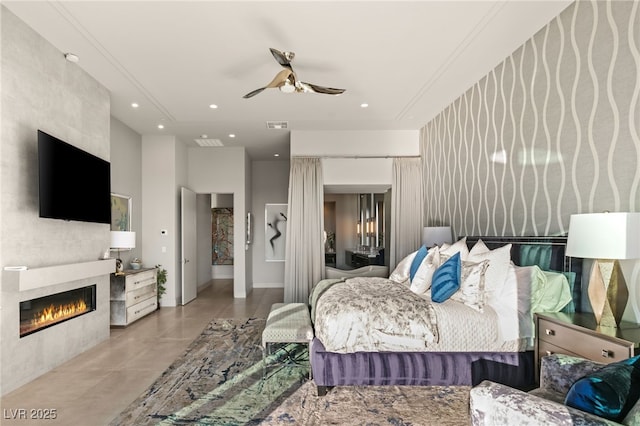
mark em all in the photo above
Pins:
pixel 126 179
pixel 160 210
pixel 223 170
pixel 270 184
pixel 370 174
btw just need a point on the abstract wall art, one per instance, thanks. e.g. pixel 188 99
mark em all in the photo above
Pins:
pixel 275 232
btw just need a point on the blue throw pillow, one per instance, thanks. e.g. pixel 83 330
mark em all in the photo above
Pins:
pixel 446 279
pixel 609 392
pixel 417 260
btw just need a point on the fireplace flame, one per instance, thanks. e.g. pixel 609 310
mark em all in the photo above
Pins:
pixel 53 314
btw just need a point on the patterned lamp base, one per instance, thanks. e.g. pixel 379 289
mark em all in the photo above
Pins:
pixel 608 292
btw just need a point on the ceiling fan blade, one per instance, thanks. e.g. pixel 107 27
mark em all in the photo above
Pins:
pixel 321 89
pixel 280 78
pixel 283 58
pixel 253 93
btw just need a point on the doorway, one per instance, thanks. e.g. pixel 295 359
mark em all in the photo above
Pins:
pixel 222 241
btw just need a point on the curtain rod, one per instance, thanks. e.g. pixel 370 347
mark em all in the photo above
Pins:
pixel 355 156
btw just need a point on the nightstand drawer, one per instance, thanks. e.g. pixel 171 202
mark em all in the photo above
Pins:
pixel 586 345
pixel 546 349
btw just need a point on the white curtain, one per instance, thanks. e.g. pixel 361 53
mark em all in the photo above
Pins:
pixel 407 207
pixel 304 253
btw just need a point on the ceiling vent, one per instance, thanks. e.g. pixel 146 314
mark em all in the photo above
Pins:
pixel 209 142
pixel 277 125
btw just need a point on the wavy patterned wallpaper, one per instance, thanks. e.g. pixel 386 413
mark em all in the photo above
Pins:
pixel 551 131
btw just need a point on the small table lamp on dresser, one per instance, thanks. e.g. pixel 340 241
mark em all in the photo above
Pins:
pixel 607 238
pixel 122 240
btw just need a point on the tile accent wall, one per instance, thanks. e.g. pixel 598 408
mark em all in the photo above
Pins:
pixel 553 130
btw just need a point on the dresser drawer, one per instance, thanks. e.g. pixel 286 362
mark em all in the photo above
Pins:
pixel 142 279
pixel 140 294
pixel 586 345
pixel 141 309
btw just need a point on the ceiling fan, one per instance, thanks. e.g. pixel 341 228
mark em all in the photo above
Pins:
pixel 287 80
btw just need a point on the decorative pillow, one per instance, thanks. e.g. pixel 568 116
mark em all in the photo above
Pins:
pixel 499 261
pixel 609 392
pixel 401 273
pixel 472 284
pixel 459 246
pixel 549 291
pixel 421 282
pixel 417 261
pixel 512 324
pixel 446 279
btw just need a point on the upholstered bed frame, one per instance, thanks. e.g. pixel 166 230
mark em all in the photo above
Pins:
pixel 515 369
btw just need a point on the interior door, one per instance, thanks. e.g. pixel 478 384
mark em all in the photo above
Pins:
pixel 188 244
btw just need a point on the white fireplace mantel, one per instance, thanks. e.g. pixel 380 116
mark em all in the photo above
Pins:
pixel 31 279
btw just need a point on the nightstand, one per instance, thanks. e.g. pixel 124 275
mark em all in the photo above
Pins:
pixel 578 335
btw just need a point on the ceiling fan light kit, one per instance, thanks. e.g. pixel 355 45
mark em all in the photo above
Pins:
pixel 287 80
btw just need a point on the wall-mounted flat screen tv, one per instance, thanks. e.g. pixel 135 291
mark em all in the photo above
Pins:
pixel 73 184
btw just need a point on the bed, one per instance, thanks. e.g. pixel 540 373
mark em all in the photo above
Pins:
pixel 439 350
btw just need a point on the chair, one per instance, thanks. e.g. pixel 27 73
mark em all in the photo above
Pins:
pixel 495 404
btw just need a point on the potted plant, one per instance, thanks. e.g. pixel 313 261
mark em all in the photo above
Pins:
pixel 162 279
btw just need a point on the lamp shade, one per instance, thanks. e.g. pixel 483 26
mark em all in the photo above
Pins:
pixel 123 239
pixel 604 236
pixel 436 235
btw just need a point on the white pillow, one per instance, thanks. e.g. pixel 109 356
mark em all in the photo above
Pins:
pixel 514 313
pixel 472 285
pixel 499 261
pixel 401 273
pixel 422 280
pixel 460 246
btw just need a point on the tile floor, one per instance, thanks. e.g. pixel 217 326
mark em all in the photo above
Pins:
pixel 94 387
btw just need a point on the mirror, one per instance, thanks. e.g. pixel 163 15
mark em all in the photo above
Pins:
pixel 356 229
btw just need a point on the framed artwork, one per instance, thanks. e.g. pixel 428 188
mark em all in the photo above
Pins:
pixel 120 212
pixel 275 231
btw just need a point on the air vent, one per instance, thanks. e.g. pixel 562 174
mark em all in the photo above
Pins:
pixel 209 142
pixel 277 125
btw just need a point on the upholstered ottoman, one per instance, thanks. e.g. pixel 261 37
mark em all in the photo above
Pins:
pixel 287 323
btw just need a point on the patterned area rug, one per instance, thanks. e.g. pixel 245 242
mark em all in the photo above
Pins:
pixel 221 380
pixel 375 405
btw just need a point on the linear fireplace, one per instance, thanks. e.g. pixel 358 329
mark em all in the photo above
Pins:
pixel 43 312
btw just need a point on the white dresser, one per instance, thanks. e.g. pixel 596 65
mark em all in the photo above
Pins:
pixel 133 295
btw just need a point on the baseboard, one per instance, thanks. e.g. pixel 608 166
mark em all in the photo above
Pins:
pixel 268 285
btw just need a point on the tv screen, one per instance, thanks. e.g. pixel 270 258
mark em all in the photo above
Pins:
pixel 73 184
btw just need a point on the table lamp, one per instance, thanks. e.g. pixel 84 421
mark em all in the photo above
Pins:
pixel 607 238
pixel 436 235
pixel 122 240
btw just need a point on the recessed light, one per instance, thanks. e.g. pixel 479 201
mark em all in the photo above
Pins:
pixel 71 57
pixel 213 106
pixel 204 136
pixel 276 155
pixel 364 105
pixel 160 126
pixel 231 135
pixel 134 105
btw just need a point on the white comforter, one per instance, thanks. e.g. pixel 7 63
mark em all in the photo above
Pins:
pixel 377 314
